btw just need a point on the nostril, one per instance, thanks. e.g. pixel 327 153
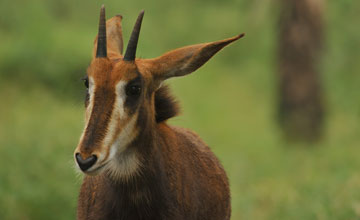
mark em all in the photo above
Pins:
pixel 85 164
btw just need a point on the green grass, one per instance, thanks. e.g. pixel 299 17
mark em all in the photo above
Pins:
pixel 230 103
pixel 37 136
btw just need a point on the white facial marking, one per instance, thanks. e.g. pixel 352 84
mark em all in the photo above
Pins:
pixel 91 92
pixel 120 98
pixel 127 134
pixel 117 114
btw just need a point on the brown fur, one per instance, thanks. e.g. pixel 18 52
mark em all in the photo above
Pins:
pixel 181 179
pixel 165 105
pixel 177 176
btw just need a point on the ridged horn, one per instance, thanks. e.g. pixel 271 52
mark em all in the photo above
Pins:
pixel 131 47
pixel 101 50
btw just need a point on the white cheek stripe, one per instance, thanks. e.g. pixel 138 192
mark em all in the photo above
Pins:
pixel 120 98
pixel 92 89
pixel 127 134
pixel 117 114
pixel 124 162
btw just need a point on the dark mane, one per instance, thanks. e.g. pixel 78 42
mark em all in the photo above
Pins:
pixel 166 105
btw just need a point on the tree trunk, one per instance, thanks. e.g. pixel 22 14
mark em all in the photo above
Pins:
pixel 301 109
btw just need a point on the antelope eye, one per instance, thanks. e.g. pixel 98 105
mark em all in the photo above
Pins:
pixel 133 90
pixel 86 81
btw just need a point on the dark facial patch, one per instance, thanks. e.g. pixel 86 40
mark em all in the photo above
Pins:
pixel 165 105
pixel 132 98
pixel 85 79
pixel 87 98
pixel 103 106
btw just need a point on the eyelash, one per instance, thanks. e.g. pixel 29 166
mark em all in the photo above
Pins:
pixel 86 81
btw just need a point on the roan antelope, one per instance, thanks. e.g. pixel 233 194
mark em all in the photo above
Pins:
pixel 137 166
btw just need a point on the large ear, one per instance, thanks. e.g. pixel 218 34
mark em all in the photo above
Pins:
pixel 185 60
pixel 114 38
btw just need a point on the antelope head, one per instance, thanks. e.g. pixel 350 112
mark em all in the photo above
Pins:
pixel 121 90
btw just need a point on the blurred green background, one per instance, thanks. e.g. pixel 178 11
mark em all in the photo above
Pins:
pixel 230 102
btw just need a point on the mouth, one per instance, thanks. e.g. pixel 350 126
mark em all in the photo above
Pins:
pixel 97 170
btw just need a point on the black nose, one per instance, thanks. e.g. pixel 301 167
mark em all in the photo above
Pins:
pixel 87 163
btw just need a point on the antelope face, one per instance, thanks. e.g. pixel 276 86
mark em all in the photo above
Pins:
pixel 118 87
pixel 115 89
pixel 115 92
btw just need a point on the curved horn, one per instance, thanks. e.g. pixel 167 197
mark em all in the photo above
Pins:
pixel 101 50
pixel 131 47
